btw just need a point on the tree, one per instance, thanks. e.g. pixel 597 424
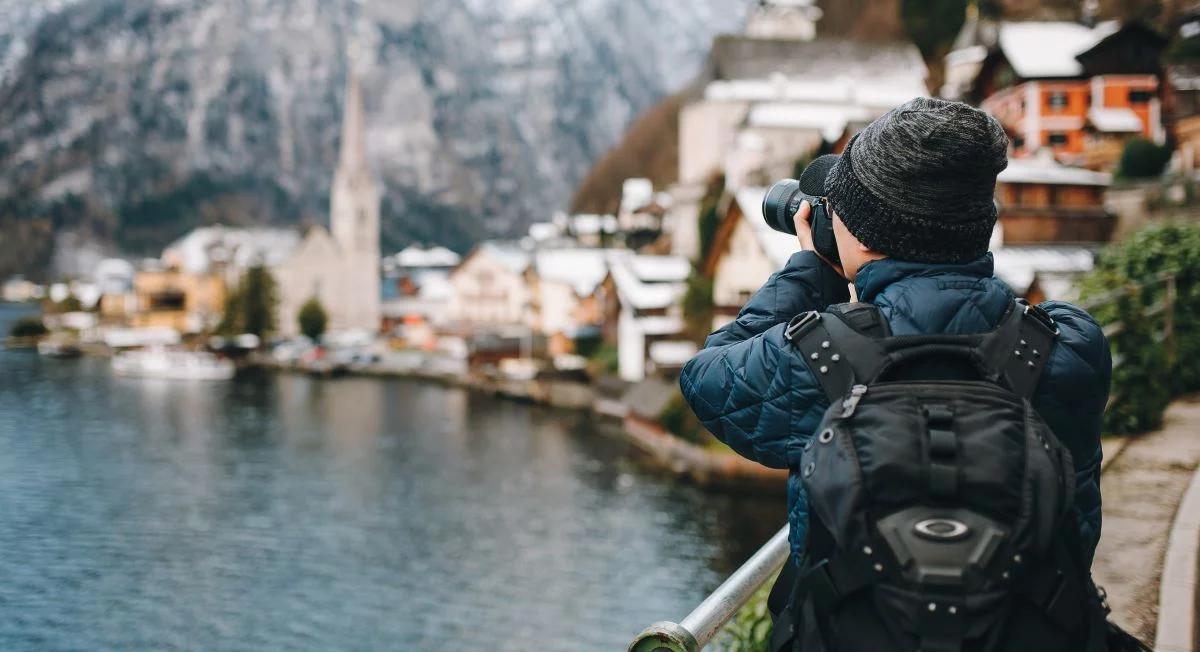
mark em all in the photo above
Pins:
pixel 250 308
pixel 709 217
pixel 312 319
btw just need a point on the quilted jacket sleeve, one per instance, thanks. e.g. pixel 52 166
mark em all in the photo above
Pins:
pixel 746 386
pixel 1071 397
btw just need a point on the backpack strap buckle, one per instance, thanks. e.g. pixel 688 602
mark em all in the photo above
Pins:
pixel 1040 317
pixel 799 323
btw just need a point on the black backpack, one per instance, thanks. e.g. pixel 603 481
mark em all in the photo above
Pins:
pixel 940 504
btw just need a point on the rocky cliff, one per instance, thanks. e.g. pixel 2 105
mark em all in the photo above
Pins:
pixel 129 121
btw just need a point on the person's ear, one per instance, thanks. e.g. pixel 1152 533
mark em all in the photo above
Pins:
pixel 863 248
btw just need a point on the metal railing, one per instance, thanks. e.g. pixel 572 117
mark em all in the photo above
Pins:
pixel 706 620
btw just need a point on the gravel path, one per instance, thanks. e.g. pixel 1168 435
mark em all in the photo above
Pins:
pixel 1142 489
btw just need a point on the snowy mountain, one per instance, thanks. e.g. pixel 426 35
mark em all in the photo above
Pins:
pixel 134 120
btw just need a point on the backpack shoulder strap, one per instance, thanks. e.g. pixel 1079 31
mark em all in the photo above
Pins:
pixel 841 346
pixel 1018 349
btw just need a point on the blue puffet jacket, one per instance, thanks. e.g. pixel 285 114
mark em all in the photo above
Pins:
pixel 759 396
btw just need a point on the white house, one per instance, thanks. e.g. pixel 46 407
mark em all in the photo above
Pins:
pixel 417 291
pixel 649 290
pixel 488 287
pixel 561 283
pixel 229 251
pixel 745 252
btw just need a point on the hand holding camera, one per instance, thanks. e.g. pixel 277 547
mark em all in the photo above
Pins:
pixel 800 207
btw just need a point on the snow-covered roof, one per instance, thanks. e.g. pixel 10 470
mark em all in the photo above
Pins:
pixel 200 249
pixel 1056 265
pixel 874 92
pixel 660 269
pixel 1039 49
pixel 1115 120
pixel 671 353
pixel 592 224
pixel 640 293
pixel 660 325
pixel 829 120
pixel 416 256
pixel 582 269
pixel 1042 170
pixel 778 246
pixel 542 231
pixel 508 254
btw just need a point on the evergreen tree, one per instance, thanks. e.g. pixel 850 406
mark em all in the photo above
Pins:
pixel 312 319
pixel 250 308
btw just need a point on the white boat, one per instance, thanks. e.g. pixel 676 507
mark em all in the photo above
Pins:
pixel 172 364
pixel 52 347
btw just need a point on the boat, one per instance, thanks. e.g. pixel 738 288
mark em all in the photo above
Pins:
pixel 52 347
pixel 172 364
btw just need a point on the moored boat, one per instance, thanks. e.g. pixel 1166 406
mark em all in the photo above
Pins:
pixel 52 347
pixel 172 364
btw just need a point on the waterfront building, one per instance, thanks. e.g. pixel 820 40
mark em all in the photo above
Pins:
pixel 563 302
pixel 744 253
pixel 229 251
pixel 339 266
pixel 18 289
pixel 172 298
pixel 416 292
pixel 488 289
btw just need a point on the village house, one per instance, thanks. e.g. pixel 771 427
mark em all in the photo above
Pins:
pixel 641 296
pixel 229 251
pixel 171 297
pixel 416 293
pixel 564 306
pixel 775 95
pixel 744 253
pixel 1079 89
pixel 1044 202
pixel 488 288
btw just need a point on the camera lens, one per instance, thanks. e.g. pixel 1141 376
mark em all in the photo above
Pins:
pixel 780 205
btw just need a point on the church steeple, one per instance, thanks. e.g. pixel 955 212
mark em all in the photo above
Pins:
pixel 354 210
pixel 353 155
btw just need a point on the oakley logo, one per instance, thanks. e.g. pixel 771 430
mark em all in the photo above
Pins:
pixel 941 529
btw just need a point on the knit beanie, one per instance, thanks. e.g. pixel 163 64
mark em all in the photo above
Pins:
pixel 918 183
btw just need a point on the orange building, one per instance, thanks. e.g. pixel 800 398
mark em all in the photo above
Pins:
pixel 1077 90
pixel 1043 202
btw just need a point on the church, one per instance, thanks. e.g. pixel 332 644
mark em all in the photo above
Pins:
pixel 339 266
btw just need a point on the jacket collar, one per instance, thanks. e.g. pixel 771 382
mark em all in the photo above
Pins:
pixel 876 275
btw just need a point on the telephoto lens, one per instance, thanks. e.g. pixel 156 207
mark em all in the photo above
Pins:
pixel 781 203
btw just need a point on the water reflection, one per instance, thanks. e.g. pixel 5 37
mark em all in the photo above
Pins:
pixel 282 512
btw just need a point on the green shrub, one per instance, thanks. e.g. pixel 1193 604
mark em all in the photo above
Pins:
pixel 604 360
pixel 678 419
pixel 1150 371
pixel 28 327
pixel 750 628
pixel 1143 159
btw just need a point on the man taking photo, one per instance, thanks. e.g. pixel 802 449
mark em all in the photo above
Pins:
pixel 942 437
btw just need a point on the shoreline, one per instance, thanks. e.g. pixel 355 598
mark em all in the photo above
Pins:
pixel 663 450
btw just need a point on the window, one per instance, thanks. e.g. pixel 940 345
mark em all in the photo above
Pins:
pixel 1057 138
pixel 1018 142
pixel 1140 97
pixel 1057 101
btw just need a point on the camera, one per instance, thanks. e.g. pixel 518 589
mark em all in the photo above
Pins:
pixel 783 201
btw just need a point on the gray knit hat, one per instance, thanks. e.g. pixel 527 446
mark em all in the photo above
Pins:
pixel 918 183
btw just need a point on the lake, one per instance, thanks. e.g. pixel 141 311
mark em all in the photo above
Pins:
pixel 280 512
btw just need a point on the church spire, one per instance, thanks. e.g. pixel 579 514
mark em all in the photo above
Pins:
pixel 352 159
